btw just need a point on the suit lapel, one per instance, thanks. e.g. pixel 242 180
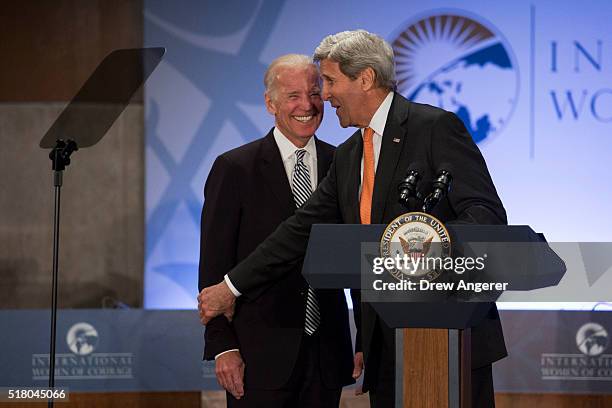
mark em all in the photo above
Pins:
pixel 354 181
pixel 393 142
pixel 274 174
pixel 323 161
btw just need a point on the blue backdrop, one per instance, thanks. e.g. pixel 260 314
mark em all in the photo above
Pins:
pixel 530 79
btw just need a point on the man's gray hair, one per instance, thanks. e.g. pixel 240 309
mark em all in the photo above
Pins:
pixel 285 61
pixel 357 50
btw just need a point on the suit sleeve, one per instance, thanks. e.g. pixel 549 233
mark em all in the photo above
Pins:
pixel 356 298
pixel 218 242
pixel 286 246
pixel 473 196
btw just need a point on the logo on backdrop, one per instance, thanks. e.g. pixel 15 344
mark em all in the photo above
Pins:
pixel 82 338
pixel 461 64
pixel 83 363
pixel 592 339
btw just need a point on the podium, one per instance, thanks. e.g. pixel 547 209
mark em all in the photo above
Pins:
pixel 433 337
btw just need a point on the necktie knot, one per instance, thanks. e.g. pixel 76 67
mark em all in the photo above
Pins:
pixel 299 154
pixel 368 135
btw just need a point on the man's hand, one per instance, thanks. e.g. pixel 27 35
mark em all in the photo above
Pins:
pixel 357 365
pixel 216 300
pixel 229 368
pixel 357 370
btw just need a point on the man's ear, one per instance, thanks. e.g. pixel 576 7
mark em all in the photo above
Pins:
pixel 269 104
pixel 367 78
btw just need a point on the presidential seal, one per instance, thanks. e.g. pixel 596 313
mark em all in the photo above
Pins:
pixel 419 244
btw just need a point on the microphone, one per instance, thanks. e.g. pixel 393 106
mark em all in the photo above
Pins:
pixel 408 187
pixel 441 187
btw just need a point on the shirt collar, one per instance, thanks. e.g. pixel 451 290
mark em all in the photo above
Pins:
pixel 377 124
pixel 287 149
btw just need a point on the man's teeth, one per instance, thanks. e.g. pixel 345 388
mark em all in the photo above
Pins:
pixel 303 118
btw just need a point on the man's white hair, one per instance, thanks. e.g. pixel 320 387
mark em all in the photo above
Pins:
pixel 357 50
pixel 285 61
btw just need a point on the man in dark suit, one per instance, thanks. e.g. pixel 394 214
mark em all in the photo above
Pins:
pixel 361 187
pixel 291 346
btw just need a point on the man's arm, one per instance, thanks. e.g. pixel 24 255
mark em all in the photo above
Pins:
pixel 218 242
pixel 473 198
pixel 286 246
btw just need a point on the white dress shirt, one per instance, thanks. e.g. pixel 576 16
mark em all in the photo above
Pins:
pixel 287 151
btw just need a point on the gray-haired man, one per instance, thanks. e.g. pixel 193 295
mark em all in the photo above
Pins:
pixel 287 346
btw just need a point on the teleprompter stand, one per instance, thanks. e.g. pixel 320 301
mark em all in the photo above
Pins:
pixel 83 123
pixel 433 344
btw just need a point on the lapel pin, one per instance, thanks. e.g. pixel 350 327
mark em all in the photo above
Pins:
pixel 396 140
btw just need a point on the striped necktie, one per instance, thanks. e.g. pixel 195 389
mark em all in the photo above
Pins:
pixel 302 188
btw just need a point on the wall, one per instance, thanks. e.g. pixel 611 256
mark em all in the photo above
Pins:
pixel 49 49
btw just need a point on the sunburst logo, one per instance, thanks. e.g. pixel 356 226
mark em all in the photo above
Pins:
pixel 461 65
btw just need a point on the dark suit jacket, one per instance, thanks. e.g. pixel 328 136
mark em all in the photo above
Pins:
pixel 422 133
pixel 247 195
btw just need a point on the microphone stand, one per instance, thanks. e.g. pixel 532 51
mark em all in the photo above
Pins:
pixel 441 187
pixel 60 157
pixel 408 189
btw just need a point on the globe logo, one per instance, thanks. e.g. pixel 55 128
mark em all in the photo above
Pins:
pixel 458 64
pixel 82 338
pixel 592 339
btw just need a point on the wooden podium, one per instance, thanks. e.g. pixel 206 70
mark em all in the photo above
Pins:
pixel 429 370
pixel 433 336
pixel 433 352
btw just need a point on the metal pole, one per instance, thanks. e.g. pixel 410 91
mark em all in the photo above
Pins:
pixel 57 179
pixel 454 369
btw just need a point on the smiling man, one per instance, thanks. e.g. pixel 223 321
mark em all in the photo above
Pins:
pixel 361 187
pixel 291 347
